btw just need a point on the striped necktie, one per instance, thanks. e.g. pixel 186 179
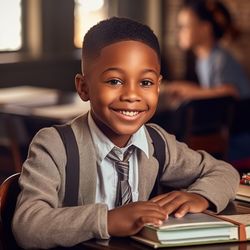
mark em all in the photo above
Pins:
pixel 124 193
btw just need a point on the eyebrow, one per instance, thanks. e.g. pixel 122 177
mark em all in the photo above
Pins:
pixel 120 70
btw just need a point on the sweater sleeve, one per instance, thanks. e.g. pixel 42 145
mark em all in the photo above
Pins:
pixel 199 172
pixel 40 221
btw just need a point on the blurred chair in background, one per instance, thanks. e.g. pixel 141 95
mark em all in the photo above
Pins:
pixel 203 124
pixel 208 125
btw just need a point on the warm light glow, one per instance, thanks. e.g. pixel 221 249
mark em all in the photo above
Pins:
pixel 87 14
pixel 91 5
pixel 10 25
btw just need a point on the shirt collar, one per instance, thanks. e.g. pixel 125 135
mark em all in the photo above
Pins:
pixel 103 145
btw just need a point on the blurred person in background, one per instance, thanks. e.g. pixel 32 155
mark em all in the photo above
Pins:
pixel 202 24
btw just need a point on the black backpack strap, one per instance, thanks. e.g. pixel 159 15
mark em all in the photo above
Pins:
pixel 72 166
pixel 159 154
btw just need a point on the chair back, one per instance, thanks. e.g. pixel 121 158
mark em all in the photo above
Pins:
pixel 241 122
pixel 208 123
pixel 9 191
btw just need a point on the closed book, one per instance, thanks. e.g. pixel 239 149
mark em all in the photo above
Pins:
pixel 243 193
pixel 196 229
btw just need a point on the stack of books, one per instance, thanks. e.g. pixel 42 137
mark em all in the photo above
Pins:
pixel 196 229
pixel 243 193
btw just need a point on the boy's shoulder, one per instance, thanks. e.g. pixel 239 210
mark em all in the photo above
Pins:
pixel 50 134
pixel 162 132
pixel 170 140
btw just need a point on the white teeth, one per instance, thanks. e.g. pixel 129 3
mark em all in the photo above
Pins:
pixel 129 113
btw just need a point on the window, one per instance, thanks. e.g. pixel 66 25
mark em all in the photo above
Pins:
pixel 87 13
pixel 10 25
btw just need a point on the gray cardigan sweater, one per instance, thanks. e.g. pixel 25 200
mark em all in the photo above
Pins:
pixel 40 221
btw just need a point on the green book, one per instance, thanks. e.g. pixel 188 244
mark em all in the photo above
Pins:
pixel 195 229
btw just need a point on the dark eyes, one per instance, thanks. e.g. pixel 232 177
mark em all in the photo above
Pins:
pixel 114 82
pixel 143 83
pixel 146 83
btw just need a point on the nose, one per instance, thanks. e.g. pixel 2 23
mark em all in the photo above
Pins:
pixel 131 92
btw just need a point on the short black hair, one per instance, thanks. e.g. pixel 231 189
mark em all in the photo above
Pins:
pixel 114 30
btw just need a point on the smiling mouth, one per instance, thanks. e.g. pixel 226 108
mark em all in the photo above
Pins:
pixel 129 113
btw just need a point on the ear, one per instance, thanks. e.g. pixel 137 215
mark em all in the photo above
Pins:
pixel 82 87
pixel 159 83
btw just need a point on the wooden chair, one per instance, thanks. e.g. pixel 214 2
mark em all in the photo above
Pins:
pixel 208 123
pixel 9 191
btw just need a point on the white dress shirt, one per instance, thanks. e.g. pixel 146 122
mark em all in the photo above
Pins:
pixel 106 173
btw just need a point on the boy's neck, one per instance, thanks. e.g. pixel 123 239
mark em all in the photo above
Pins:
pixel 120 141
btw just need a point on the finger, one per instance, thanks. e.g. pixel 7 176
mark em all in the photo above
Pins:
pixel 158 197
pixel 142 204
pixel 148 220
pixel 156 213
pixel 154 210
pixel 182 210
pixel 164 196
pixel 174 204
pixel 168 198
pixel 151 206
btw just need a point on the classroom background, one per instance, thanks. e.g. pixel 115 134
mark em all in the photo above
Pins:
pixel 40 54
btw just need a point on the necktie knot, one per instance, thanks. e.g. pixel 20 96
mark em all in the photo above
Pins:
pixel 114 156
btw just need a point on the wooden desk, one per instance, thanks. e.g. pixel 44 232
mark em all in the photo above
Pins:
pixel 41 103
pixel 127 243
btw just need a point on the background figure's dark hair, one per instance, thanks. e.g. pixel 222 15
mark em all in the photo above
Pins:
pixel 214 12
pixel 114 30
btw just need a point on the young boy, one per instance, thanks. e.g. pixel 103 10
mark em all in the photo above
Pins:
pixel 121 78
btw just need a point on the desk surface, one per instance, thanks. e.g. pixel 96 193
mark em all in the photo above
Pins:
pixel 127 243
pixel 42 103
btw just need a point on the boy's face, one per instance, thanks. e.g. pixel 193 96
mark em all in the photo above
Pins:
pixel 122 84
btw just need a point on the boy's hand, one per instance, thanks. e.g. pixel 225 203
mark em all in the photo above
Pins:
pixel 180 203
pixel 130 219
